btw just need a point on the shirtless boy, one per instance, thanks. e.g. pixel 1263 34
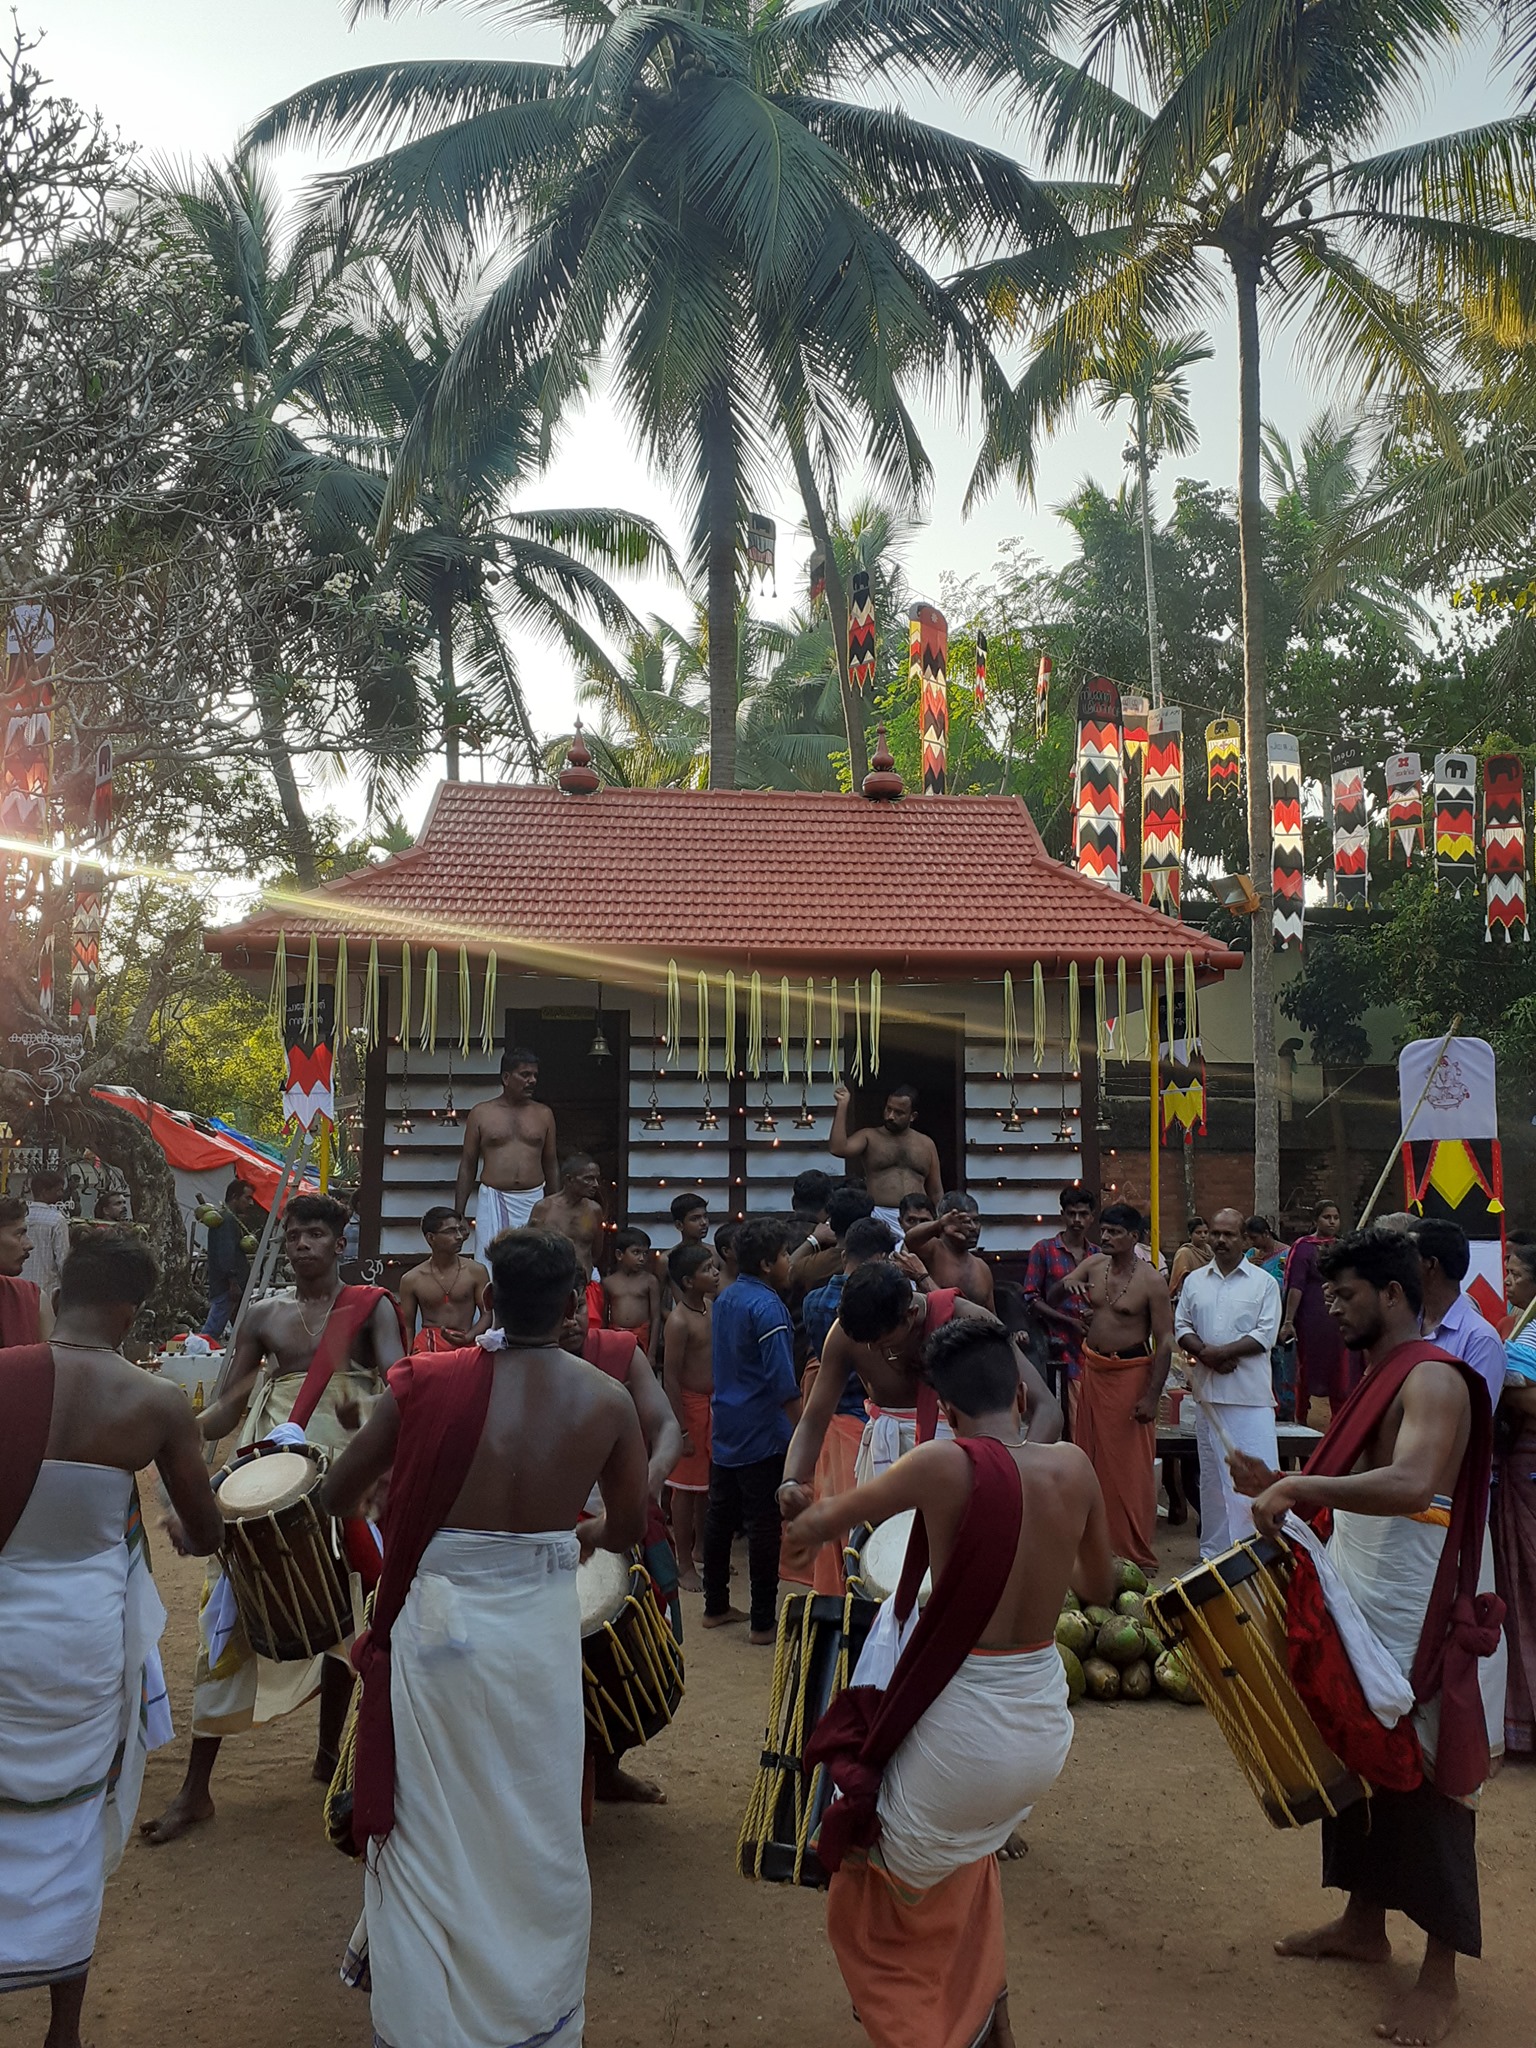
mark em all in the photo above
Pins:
pixel 688 1377
pixel 947 1247
pixel 632 1293
pixel 281 1334
pixel 510 1141
pixel 968 1767
pixel 1126 1352
pixel 894 1159
pixel 447 1291
pixel 576 1211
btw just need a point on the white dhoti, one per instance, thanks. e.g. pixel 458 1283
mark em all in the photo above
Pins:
pixel 1226 1516
pixel 889 1433
pixel 1389 1562
pixel 235 1690
pixel 499 1209
pixel 82 1701
pixel 477 1906
pixel 891 1218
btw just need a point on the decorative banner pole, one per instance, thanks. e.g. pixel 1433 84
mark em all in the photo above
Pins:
pixel 1405 806
pixel 861 633
pixel 1455 820
pixel 1162 810
pixel 1154 1140
pixel 1504 846
pixel 981 671
pixel 1042 696
pixel 1288 873
pixel 930 654
pixel 1098 784
pixel 1351 840
pixel 1223 757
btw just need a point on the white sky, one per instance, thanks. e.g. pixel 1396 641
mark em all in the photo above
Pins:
pixel 183 77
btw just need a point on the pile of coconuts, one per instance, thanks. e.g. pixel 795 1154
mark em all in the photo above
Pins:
pixel 1114 1653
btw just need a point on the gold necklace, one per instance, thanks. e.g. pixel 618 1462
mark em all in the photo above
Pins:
pixel 309 1329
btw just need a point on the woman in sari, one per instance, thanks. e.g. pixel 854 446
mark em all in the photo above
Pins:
pixel 1513 1513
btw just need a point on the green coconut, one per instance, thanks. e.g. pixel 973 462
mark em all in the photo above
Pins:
pixel 1174 1680
pixel 1129 1578
pixel 1076 1682
pixel 1136 1680
pixel 1120 1641
pixel 209 1217
pixel 1132 1604
pixel 1102 1679
pixel 1154 1642
pixel 1099 1615
pixel 1075 1632
pixel 248 1244
pixel 1071 1605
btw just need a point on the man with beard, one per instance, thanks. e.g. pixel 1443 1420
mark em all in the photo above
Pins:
pixel 894 1158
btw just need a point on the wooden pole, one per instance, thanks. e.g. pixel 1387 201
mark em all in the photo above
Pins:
pixel 1402 1137
pixel 1154 1177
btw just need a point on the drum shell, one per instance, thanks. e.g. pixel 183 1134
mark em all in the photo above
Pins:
pixel 289 1578
pixel 1228 1619
pixel 631 1670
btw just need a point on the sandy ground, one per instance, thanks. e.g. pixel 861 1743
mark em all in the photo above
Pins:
pixel 1143 1912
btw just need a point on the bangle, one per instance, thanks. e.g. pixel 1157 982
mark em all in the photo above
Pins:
pixel 786 1484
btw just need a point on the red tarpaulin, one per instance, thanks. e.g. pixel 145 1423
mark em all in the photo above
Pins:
pixel 191 1147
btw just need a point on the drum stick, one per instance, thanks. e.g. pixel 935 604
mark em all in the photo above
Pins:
pixel 1396 1153
pixel 1229 1449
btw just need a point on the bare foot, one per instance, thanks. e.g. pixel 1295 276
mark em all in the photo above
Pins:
pixel 620 1787
pixel 324 1768
pixel 765 1638
pixel 1424 2017
pixel 690 1582
pixel 186 1810
pixel 1012 1849
pixel 1339 1939
pixel 724 1620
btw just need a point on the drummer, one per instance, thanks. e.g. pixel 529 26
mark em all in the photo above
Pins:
pixel 318 1355
pixel 882 1325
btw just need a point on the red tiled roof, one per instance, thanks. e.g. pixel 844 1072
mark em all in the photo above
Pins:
pixel 925 885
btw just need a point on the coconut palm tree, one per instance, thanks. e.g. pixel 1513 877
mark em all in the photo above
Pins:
pixel 702 192
pixel 1249 144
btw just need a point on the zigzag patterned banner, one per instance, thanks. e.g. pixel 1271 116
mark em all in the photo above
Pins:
pixel 1135 718
pixel 930 655
pixel 1504 846
pixel 1351 839
pixel 1042 696
pixel 85 951
pixel 861 633
pixel 1098 799
pixel 1405 806
pixel 1455 820
pixel 1288 873
pixel 981 671
pixel 1162 811
pixel 1223 757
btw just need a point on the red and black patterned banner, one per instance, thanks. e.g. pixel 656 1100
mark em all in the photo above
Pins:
pixel 1042 696
pixel 762 545
pixel 26 722
pixel 1351 839
pixel 1288 872
pixel 85 950
pixel 1455 821
pixel 1504 845
pixel 1162 811
pixel 1405 806
pixel 1098 804
pixel 1223 757
pixel 861 633
pixel 981 671
pixel 930 657
pixel 1135 715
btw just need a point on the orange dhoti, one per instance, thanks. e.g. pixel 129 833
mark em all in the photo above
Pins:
pixel 691 1472
pixel 1122 1451
pixel 834 1474
pixel 924 1969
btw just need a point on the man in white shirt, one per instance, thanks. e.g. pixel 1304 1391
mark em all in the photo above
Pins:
pixel 48 1228
pixel 1450 1318
pixel 1226 1322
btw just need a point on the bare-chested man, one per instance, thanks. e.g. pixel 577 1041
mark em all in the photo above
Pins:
pixel 893 1157
pixel 80 1620
pixel 576 1211
pixel 511 1143
pixel 688 1375
pixel 355 1333
pixel 446 1291
pixel 917 1922
pixel 947 1247
pixel 1127 1349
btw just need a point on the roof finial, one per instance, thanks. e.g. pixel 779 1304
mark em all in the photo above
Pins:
pixel 882 784
pixel 578 777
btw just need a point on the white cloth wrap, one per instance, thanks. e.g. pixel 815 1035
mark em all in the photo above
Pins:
pixel 82 1701
pixel 1388 1563
pixel 889 1433
pixel 499 1209
pixel 1226 1516
pixel 891 1218
pixel 478 1906
pixel 1387 1692
pixel 991 1745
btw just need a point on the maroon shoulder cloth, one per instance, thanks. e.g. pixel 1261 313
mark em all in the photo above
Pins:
pixel 939 1309
pixel 1460 1625
pixel 443 1401
pixel 611 1351
pixel 19 1312
pixel 349 1314
pixel 26 1402
pixel 863 1728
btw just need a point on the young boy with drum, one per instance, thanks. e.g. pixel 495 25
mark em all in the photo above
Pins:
pixel 973 1728
pixel 315 1359
pixel 1403 1474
